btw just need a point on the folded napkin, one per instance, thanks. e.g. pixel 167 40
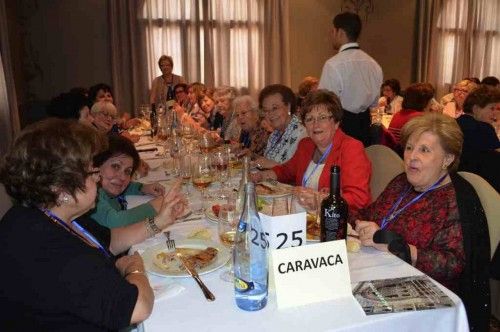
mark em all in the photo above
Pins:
pixel 165 289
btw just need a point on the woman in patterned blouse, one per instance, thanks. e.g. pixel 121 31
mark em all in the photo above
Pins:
pixel 278 103
pixel 421 204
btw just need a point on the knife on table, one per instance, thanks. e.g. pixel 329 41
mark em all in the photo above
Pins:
pixel 191 270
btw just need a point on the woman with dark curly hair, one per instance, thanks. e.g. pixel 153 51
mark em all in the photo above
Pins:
pixel 63 272
pixel 117 165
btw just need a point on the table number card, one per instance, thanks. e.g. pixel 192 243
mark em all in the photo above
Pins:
pixel 309 274
pixel 285 231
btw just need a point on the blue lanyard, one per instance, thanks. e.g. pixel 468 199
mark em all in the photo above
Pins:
pixel 85 233
pixel 393 213
pixel 323 157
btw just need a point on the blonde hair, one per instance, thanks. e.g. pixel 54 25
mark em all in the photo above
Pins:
pixel 104 107
pixel 466 84
pixel 166 57
pixel 444 127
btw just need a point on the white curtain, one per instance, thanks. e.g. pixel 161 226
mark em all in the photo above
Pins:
pixel 458 39
pixel 241 43
pixel 9 117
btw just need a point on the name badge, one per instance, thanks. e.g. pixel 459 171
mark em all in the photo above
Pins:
pixel 285 231
pixel 312 273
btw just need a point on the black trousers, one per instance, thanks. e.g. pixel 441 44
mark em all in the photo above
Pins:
pixel 357 125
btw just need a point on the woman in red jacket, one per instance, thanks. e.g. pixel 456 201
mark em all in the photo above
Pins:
pixel 326 145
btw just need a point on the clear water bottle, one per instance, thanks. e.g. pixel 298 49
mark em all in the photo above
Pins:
pixel 244 180
pixel 250 257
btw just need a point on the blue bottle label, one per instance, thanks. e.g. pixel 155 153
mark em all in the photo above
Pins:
pixel 242 286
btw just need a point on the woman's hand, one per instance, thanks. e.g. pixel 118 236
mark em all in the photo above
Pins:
pixel 265 163
pixel 174 206
pixel 154 189
pixel 127 264
pixel 262 176
pixel 366 229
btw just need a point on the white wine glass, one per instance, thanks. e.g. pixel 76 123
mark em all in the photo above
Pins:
pixel 226 227
pixel 221 162
pixel 202 173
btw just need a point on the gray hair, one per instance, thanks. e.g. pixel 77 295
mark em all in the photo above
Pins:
pixel 245 100
pixel 225 91
pixel 104 107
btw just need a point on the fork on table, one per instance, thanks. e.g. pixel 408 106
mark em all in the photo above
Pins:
pixel 170 242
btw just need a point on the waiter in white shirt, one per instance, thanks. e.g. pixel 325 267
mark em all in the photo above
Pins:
pixel 352 75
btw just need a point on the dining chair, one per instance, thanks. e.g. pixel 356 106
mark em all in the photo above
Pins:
pixel 386 164
pixel 5 201
pixel 490 200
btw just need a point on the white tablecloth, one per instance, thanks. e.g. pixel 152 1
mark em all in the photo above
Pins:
pixel 189 311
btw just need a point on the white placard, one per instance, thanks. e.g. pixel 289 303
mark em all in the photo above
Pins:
pixel 312 273
pixel 285 231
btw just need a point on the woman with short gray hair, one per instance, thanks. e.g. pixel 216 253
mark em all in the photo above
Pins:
pixel 253 137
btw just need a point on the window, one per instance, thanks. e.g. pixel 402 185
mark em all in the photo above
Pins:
pixel 468 39
pixel 217 42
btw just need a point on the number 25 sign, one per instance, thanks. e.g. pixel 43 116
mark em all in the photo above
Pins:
pixel 285 231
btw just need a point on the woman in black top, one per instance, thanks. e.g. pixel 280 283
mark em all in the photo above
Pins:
pixel 62 274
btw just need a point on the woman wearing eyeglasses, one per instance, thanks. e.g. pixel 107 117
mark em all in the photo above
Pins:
pixel 326 145
pixel 279 103
pixel 461 90
pixel 62 273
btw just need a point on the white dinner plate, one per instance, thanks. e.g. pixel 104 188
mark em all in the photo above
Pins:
pixel 283 190
pixel 148 255
pixel 210 215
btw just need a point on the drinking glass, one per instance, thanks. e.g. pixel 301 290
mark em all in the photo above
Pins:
pixel 202 173
pixel 185 170
pixel 221 161
pixel 280 206
pixel 175 148
pixel 310 201
pixel 226 227
pixel 206 143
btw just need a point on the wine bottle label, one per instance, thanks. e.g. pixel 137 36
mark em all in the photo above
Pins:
pixel 333 224
pixel 242 286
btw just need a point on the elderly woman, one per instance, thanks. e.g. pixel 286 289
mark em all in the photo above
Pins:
pixel 454 107
pixel 223 98
pixel 436 212
pixel 162 87
pixel 278 103
pixel 117 165
pixel 326 145
pixel 253 137
pixel 481 151
pixel 417 100
pixel 79 285
pixel 105 115
pixel 390 97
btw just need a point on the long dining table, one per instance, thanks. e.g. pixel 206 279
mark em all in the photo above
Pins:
pixel 188 310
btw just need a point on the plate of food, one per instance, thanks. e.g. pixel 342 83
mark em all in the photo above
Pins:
pixel 272 189
pixel 205 256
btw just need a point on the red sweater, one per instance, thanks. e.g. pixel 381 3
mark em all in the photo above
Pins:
pixel 399 120
pixel 348 153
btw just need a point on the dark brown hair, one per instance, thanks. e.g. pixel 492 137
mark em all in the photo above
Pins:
pixel 285 92
pixel 118 145
pixel 325 98
pixel 417 96
pixel 481 97
pixel 50 157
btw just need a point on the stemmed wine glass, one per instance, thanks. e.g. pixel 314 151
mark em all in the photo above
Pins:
pixel 185 170
pixel 226 226
pixel 221 161
pixel 202 175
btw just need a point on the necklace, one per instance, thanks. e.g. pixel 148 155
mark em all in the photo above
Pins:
pixel 393 213
pixel 85 236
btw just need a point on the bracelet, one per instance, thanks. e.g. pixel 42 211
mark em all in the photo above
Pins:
pixel 135 272
pixel 151 226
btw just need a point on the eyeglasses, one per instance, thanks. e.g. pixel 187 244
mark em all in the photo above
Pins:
pixel 320 119
pixel 460 90
pixel 96 175
pixel 272 110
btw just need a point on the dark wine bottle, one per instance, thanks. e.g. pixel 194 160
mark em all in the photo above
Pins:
pixel 334 211
pixel 154 121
